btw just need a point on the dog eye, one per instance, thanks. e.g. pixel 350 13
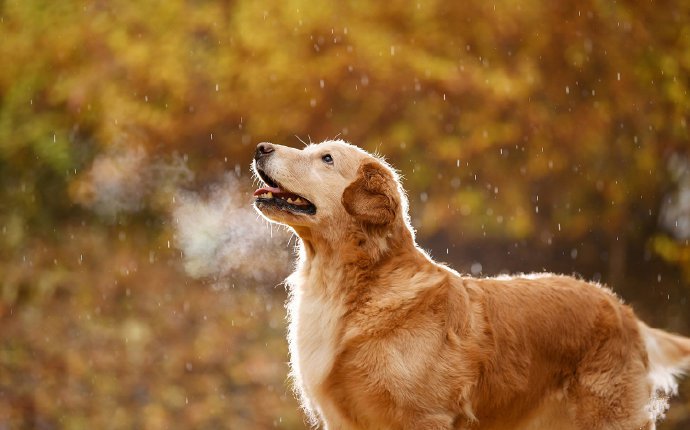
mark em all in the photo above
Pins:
pixel 327 159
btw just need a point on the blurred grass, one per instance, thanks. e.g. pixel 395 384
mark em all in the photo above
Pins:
pixel 98 334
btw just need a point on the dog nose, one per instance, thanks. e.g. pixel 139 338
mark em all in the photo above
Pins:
pixel 263 149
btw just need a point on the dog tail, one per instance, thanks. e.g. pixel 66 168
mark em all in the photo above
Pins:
pixel 669 357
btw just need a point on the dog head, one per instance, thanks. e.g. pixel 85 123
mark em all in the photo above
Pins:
pixel 327 185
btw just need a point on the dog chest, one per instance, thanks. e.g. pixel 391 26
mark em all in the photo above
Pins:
pixel 315 324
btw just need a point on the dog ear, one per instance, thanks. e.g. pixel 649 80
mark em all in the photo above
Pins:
pixel 371 198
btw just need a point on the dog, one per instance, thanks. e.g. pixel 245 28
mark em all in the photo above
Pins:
pixel 382 337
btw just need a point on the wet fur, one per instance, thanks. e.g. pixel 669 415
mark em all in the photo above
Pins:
pixel 382 337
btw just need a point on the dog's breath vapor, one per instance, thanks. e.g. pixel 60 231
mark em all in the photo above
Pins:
pixel 220 236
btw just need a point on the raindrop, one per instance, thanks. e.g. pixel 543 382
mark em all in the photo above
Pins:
pixel 217 87
pixel 476 268
pixel 567 89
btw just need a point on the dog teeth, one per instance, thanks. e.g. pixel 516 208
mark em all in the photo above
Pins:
pixel 296 201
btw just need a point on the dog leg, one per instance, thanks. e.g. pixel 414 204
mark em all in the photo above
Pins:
pixel 611 401
pixel 330 424
pixel 430 422
pixel 332 419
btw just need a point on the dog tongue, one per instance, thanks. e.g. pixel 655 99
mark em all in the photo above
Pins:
pixel 268 189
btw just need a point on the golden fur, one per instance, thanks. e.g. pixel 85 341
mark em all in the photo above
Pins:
pixel 382 337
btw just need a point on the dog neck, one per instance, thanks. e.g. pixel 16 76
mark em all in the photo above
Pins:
pixel 354 254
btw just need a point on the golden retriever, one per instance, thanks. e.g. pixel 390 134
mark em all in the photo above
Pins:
pixel 382 337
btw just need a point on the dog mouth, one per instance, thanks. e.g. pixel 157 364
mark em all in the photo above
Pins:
pixel 274 195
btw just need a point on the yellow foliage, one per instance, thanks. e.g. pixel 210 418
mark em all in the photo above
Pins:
pixel 530 135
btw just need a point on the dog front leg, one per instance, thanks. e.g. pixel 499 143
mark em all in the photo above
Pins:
pixel 334 420
pixel 430 422
pixel 336 425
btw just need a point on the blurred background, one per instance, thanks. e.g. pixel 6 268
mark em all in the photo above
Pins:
pixel 139 290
